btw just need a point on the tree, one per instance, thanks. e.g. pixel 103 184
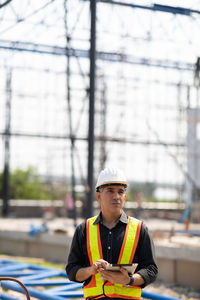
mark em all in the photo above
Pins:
pixel 26 184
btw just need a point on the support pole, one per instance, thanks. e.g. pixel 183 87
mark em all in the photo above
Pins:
pixel 103 111
pixel 91 109
pixel 72 137
pixel 6 185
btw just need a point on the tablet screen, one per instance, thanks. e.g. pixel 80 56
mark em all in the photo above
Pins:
pixel 116 267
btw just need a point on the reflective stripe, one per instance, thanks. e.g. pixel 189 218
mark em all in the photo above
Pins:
pixel 94 251
pixel 118 289
pixel 131 228
pixel 137 234
pixel 94 236
pixel 94 248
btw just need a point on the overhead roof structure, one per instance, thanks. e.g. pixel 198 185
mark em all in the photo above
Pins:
pixel 146 62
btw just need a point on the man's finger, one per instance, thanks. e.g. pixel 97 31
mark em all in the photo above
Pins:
pixel 123 271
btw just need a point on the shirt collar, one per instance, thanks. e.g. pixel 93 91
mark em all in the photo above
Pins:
pixel 123 218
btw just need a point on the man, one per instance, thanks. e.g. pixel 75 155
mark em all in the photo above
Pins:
pixel 111 238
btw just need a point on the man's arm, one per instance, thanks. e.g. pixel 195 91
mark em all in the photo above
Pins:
pixel 138 280
pixel 76 258
pixel 84 273
pixel 147 267
pixel 78 268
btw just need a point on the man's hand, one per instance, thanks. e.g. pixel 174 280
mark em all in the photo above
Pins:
pixel 98 266
pixel 120 277
pixel 84 273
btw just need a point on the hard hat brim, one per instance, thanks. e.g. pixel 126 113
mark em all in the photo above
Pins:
pixel 105 183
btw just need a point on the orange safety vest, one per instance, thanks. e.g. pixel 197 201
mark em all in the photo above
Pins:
pixel 94 249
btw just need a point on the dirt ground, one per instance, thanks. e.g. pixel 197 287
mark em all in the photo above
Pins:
pixel 176 291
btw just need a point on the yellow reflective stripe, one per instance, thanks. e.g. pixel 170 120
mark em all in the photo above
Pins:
pixel 94 247
pixel 93 291
pixel 95 255
pixel 133 223
pixel 118 289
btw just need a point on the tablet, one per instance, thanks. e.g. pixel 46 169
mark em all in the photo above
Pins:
pixel 116 267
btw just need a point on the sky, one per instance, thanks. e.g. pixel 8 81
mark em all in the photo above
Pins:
pixel 145 105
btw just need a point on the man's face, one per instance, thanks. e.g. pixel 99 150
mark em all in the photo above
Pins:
pixel 112 199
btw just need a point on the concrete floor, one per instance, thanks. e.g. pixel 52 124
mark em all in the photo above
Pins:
pixel 67 224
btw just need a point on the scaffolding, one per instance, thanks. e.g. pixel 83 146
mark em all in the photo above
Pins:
pixel 134 116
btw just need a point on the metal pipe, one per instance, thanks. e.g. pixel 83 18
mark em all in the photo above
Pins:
pixel 91 109
pixel 19 282
pixel 6 172
pixel 155 296
pixel 72 137
pixel 33 292
pixel 56 293
pixel 7 297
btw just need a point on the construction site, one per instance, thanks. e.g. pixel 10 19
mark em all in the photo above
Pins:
pixel 86 84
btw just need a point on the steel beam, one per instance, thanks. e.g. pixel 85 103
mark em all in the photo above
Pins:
pixel 155 7
pixel 97 139
pixel 100 55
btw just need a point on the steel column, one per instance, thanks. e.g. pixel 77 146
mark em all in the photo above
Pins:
pixel 91 109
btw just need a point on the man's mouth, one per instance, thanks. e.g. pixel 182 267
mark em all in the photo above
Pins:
pixel 116 202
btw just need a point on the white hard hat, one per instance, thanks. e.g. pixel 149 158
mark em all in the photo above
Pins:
pixel 111 176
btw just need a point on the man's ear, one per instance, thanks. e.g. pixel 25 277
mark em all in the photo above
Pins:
pixel 98 195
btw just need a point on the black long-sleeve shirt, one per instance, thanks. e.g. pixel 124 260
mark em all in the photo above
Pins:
pixel 111 240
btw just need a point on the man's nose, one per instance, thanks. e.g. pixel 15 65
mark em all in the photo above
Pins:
pixel 116 195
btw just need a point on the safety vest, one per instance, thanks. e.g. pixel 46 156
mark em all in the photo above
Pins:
pixel 94 249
